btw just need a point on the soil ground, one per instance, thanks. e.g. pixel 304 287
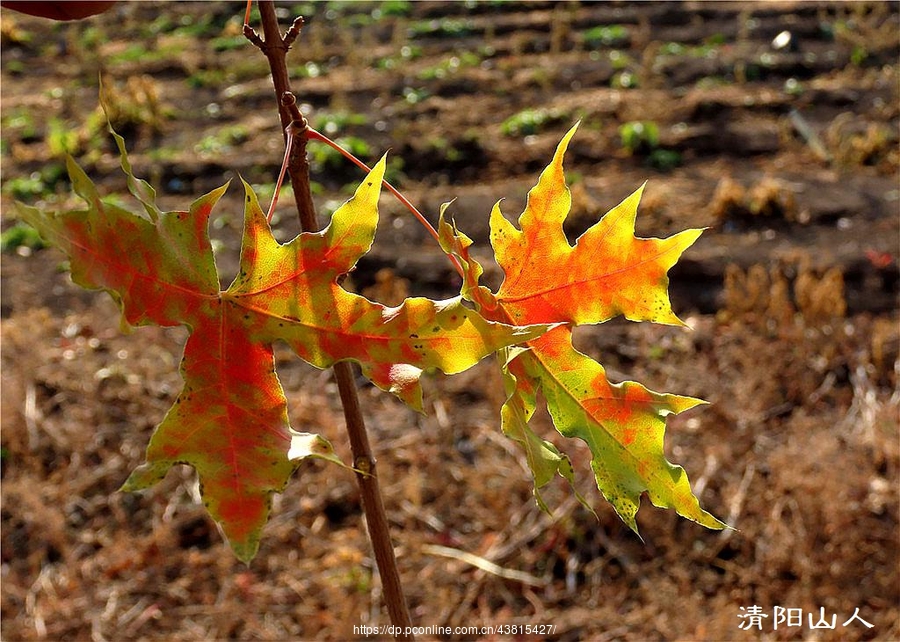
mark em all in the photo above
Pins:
pixel 784 145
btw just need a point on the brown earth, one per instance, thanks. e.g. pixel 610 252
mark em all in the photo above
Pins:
pixel 788 154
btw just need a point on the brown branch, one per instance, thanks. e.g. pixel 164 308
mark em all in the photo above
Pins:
pixel 275 48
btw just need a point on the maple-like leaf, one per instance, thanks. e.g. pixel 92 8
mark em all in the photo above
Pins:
pixel 230 419
pixel 608 272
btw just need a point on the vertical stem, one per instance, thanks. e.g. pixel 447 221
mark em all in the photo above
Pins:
pixel 275 48
pixel 373 506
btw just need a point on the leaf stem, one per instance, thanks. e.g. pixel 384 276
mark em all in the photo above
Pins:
pixel 288 145
pixel 315 135
pixel 275 49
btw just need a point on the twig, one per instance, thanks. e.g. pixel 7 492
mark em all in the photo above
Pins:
pixel 275 49
pixel 31 417
pixel 737 504
pixel 525 534
pixel 809 135
pixel 485 565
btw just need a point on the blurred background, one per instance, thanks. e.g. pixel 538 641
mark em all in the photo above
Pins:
pixel 774 125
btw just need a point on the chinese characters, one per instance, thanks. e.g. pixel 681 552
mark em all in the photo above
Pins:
pixel 754 617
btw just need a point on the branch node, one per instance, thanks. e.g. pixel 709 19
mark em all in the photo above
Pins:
pixel 364 465
pixel 299 124
pixel 289 101
pixel 291 35
pixel 251 35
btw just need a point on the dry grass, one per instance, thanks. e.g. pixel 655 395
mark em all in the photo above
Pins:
pixel 799 452
pixel 798 449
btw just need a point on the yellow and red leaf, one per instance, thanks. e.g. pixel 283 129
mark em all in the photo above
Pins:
pixel 608 272
pixel 230 419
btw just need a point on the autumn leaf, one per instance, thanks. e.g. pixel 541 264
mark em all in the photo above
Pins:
pixel 608 272
pixel 230 419
pixel 296 298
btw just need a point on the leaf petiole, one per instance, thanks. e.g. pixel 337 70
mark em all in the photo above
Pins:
pixel 315 135
pixel 290 131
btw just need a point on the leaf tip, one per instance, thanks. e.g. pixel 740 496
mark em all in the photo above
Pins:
pixel 378 170
pixel 564 145
pixel 144 476
pixel 245 551
pixel 447 229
